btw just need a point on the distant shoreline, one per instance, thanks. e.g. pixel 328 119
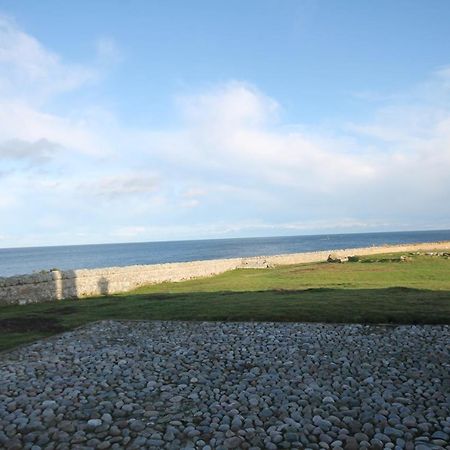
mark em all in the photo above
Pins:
pixel 280 259
pixel 59 284
pixel 18 261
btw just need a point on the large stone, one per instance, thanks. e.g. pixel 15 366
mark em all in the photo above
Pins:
pixel 94 423
pixel 335 258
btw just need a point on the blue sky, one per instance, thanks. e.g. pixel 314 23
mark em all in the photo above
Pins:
pixel 134 121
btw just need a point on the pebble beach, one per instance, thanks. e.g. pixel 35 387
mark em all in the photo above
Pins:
pixel 228 386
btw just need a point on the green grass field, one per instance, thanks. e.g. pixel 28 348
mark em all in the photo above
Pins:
pixel 378 289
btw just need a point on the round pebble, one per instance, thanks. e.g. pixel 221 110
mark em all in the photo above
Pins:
pixel 187 385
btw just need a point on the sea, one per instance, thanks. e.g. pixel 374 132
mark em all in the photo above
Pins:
pixel 15 261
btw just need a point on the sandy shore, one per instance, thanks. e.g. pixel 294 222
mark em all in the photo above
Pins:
pixel 306 257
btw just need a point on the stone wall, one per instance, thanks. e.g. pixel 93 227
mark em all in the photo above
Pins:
pixel 56 285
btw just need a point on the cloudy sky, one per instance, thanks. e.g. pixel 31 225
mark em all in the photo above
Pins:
pixel 137 121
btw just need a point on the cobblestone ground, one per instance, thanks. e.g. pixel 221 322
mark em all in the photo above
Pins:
pixel 229 385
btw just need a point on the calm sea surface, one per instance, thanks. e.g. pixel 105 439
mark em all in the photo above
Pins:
pixel 26 260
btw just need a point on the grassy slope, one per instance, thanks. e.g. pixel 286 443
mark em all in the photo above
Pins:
pixel 380 289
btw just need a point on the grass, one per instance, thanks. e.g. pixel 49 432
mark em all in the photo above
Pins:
pixel 378 289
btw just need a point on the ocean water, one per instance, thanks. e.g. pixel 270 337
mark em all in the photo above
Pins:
pixel 16 261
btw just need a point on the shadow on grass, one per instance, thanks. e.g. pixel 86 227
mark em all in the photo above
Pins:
pixel 396 305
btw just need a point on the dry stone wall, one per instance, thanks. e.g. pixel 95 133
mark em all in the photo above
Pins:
pixel 57 285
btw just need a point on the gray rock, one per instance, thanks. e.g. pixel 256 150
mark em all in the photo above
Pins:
pixel 440 435
pixel 49 404
pixel 291 437
pixel 351 444
pixel 94 423
pixel 136 425
pixel 228 385
pixel 232 442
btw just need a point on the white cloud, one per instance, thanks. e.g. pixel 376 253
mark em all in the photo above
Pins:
pixel 123 185
pixel 6 200
pixel 191 197
pixel 29 68
pixel 129 232
pixel 410 153
pixel 233 104
pixel 233 128
pixel 231 166
pixel 194 192
pixel 75 134
pixel 224 229
pixel 37 152
pixel 31 76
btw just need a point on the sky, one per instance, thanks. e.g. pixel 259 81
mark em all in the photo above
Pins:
pixel 148 121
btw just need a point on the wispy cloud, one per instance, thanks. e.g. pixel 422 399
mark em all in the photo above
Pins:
pixel 31 76
pixel 37 152
pixel 123 185
pixel 34 71
pixel 232 164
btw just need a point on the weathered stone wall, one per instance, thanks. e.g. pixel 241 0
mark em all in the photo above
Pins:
pixel 56 285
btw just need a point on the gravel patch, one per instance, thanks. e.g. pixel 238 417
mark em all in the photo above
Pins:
pixel 228 386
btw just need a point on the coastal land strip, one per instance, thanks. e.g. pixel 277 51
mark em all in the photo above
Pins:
pixel 63 284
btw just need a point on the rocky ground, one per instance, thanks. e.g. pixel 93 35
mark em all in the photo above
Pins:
pixel 229 385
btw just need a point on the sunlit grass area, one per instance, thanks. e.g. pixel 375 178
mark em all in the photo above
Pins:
pixel 376 289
